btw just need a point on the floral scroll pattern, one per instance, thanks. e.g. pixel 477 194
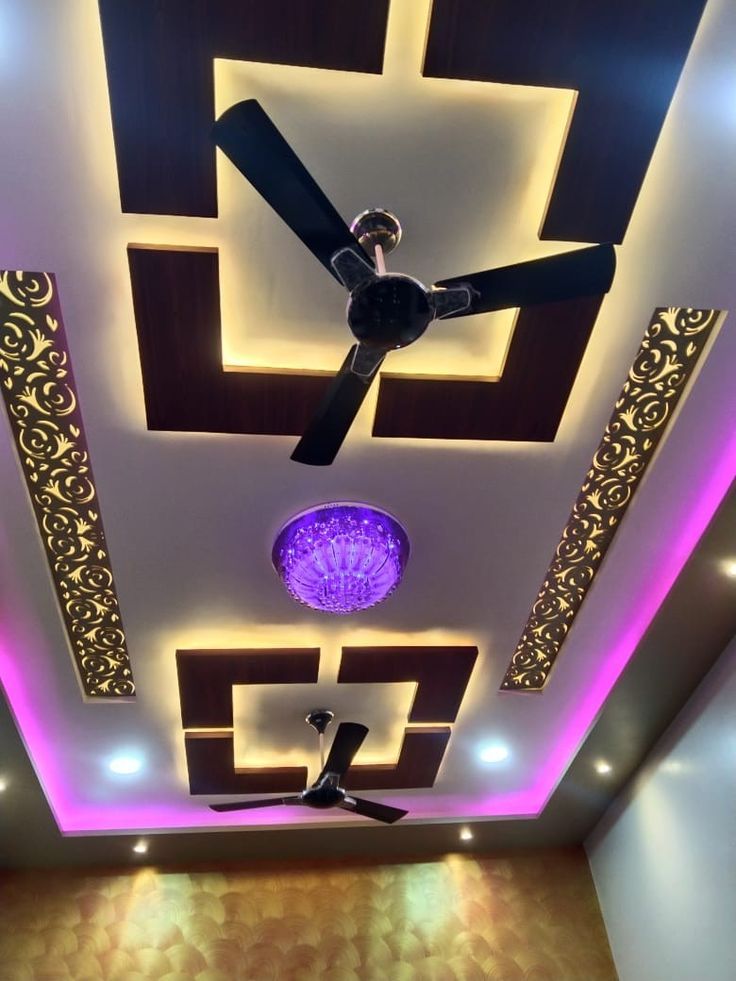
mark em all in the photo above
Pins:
pixel 40 397
pixel 673 342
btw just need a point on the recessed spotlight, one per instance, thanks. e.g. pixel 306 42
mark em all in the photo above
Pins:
pixel 466 834
pixel 729 567
pixel 494 753
pixel 140 847
pixel 602 767
pixel 3 785
pixel 125 765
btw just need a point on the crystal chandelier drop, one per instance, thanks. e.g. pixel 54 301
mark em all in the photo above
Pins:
pixel 342 557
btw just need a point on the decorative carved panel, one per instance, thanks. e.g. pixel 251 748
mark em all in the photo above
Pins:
pixel 46 420
pixel 665 362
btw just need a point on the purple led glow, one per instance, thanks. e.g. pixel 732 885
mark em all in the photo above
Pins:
pixel 343 557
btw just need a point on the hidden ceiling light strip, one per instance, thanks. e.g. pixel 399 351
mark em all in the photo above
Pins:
pixel 665 361
pixel 43 409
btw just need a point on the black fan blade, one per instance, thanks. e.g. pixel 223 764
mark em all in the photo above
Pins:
pixel 247 805
pixel 348 740
pixel 372 809
pixel 246 134
pixel 585 272
pixel 325 433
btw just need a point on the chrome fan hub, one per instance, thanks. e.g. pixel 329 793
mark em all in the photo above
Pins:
pixel 389 311
pixel 323 796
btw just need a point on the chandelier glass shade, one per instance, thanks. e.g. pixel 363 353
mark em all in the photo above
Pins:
pixel 342 557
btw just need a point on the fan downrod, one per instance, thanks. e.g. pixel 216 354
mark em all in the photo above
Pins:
pixel 377 226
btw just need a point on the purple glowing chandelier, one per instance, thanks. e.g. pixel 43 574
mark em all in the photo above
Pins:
pixel 343 557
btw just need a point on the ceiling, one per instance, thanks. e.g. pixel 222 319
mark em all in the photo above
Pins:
pixel 190 510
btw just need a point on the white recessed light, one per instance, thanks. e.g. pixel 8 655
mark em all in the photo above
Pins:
pixel 729 567
pixel 602 767
pixel 125 765
pixel 3 785
pixel 466 834
pixel 140 848
pixel 494 753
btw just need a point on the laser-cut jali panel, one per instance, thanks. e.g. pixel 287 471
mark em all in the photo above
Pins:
pixel 205 690
pixel 43 408
pixel 669 352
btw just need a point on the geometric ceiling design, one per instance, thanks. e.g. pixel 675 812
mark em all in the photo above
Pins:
pixel 176 297
pixel 46 421
pixel 517 129
pixel 593 192
pixel 206 680
pixel 666 360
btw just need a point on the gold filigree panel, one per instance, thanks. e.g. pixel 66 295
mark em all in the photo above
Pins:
pixel 40 396
pixel 669 352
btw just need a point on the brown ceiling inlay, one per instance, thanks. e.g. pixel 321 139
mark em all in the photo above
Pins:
pixel 212 770
pixel 623 57
pixel 160 74
pixel 206 679
pixel 176 298
pixel 442 675
pixel 669 353
pixel 525 404
pixel 419 762
pixel 46 421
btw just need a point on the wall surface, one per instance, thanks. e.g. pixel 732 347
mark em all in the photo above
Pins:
pixel 531 917
pixel 664 856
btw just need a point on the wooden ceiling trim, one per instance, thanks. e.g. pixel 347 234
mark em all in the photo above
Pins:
pixel 442 675
pixel 526 403
pixel 664 364
pixel 212 770
pixel 176 300
pixel 206 679
pixel 420 758
pixel 46 422
pixel 159 59
pixel 624 59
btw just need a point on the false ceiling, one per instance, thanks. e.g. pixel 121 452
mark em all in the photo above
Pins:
pixel 199 334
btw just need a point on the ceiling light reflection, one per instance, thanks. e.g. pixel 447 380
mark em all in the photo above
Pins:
pixel 125 765
pixel 494 753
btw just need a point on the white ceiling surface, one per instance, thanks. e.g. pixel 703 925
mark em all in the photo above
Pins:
pixel 190 517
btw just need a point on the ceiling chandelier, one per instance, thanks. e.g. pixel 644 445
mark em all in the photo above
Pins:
pixel 341 557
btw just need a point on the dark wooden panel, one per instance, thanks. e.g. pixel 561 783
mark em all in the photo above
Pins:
pixel 528 401
pixel 419 762
pixel 176 297
pixel 211 767
pixel 206 679
pixel 159 56
pixel 441 673
pixel 623 57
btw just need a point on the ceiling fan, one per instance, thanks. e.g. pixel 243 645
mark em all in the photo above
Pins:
pixel 385 310
pixel 326 791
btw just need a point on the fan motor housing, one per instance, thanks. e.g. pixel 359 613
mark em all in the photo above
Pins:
pixel 389 311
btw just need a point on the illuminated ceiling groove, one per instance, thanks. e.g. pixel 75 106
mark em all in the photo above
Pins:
pixel 669 352
pixel 46 422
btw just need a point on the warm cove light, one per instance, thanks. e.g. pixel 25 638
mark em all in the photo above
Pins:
pixel 341 557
